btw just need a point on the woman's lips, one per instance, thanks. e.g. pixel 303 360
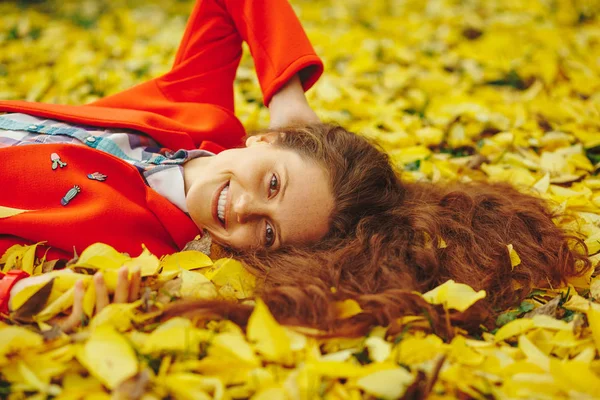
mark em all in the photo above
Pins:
pixel 215 205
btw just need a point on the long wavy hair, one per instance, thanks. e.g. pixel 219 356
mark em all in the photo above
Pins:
pixel 389 238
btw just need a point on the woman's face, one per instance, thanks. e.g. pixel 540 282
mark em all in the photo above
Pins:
pixel 260 196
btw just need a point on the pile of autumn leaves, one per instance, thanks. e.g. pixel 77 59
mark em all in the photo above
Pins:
pixel 471 90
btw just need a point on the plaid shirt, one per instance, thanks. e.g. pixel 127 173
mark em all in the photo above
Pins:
pixel 160 167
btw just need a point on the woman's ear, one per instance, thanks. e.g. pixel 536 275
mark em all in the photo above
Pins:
pixel 263 138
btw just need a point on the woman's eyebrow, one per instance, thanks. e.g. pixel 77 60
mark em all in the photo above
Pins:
pixel 284 185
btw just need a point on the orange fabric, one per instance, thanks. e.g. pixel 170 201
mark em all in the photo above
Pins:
pixel 189 107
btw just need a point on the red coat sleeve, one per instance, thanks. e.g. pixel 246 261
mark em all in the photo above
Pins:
pixel 277 41
pixel 211 48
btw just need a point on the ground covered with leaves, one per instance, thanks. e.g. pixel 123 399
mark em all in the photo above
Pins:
pixel 467 90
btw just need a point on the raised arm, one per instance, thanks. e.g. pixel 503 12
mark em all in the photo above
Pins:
pixel 290 107
pixel 210 50
pixel 209 54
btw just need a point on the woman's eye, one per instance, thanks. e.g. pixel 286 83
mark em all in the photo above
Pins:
pixel 269 235
pixel 273 186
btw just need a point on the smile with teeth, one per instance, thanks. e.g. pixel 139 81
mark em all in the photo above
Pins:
pixel 221 204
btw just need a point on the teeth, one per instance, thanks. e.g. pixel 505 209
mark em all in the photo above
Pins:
pixel 221 204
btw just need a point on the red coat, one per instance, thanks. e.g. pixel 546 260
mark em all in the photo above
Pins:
pixel 189 107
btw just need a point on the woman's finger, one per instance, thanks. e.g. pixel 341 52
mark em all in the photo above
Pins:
pixel 135 284
pixel 122 289
pixel 101 292
pixel 77 312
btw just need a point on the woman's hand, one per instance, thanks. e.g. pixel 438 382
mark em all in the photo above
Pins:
pixel 289 106
pixel 127 290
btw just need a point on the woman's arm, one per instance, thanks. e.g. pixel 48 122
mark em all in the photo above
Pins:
pixel 289 106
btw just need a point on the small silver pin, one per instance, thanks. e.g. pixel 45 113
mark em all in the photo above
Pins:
pixel 97 176
pixel 56 162
pixel 74 191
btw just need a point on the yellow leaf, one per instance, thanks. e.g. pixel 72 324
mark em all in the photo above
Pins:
pixel 274 393
pixel 14 339
pixel 543 184
pixel 514 328
pixel 415 350
pixel 587 355
pixel 593 242
pixel 409 154
pixel 6 212
pixel 147 262
pixel 63 302
pixel 232 345
pixel 187 386
pixel 89 300
pixel 65 279
pixel 582 281
pixel 387 384
pixel 575 376
pixel 8 253
pixel 595 289
pixel 196 285
pixel 228 370
pixel 514 257
pixel 101 256
pixel 27 288
pixel 177 334
pixel 269 337
pixel 462 353
pixel 593 316
pixel 530 385
pixel 117 315
pixel 298 341
pixel 20 257
pixel 577 303
pixel 341 356
pixel 76 386
pixel 429 136
pixel 547 322
pixel 454 295
pixel 29 259
pixel 379 349
pixel 533 354
pixel 336 369
pixel 108 356
pixel 190 259
pixel 347 308
pixel 34 381
pixel 227 272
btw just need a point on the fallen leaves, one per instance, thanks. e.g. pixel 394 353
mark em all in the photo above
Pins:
pixel 539 354
pixel 108 356
pixel 483 90
pixel 452 295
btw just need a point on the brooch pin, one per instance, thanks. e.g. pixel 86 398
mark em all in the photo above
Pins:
pixel 56 162
pixel 97 176
pixel 74 191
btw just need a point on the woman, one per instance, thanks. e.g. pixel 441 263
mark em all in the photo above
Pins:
pixel 99 173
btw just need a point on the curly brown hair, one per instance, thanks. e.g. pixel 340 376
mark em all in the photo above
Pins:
pixel 389 238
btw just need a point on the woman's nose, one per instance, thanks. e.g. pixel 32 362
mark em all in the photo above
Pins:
pixel 245 208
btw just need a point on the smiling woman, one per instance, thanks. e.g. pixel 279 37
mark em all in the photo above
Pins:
pixel 163 162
